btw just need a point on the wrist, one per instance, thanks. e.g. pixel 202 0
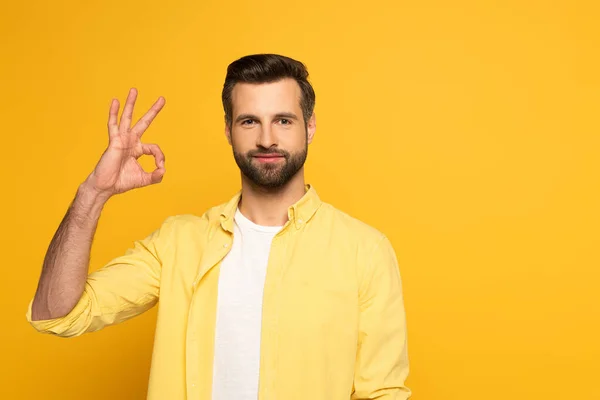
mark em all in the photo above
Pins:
pixel 88 191
pixel 88 204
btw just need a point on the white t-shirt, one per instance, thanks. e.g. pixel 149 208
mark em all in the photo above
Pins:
pixel 239 311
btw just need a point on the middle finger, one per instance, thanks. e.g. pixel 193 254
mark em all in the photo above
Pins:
pixel 140 127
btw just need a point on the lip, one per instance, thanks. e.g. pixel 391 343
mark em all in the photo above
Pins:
pixel 269 158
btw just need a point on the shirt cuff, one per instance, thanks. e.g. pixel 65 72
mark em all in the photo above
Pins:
pixel 62 325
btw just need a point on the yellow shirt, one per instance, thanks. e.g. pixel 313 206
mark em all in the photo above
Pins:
pixel 333 325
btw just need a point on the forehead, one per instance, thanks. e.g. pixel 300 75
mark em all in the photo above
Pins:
pixel 266 98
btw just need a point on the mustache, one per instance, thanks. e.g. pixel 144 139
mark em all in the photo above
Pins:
pixel 256 153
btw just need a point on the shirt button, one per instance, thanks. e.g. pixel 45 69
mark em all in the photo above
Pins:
pixel 300 221
pixel 193 385
pixel 225 245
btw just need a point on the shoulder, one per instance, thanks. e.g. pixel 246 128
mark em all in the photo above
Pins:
pixel 185 229
pixel 350 226
pixel 371 249
pixel 188 221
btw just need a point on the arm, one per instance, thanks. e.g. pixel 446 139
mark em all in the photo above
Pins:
pixel 382 359
pixel 66 263
pixel 66 297
pixel 126 286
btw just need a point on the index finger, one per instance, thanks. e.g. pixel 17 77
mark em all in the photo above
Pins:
pixel 143 123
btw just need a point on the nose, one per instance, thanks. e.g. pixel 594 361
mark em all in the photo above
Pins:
pixel 266 137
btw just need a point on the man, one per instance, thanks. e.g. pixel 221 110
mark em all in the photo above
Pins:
pixel 271 295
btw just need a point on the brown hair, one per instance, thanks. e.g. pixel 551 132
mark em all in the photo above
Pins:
pixel 266 68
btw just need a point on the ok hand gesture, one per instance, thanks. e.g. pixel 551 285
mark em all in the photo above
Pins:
pixel 118 169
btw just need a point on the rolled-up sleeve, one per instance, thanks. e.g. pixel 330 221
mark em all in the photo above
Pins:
pixel 382 359
pixel 126 286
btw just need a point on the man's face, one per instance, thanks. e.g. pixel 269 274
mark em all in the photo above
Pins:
pixel 268 134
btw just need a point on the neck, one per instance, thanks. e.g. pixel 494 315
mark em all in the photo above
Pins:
pixel 269 207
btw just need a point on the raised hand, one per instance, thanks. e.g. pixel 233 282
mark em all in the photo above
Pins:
pixel 118 169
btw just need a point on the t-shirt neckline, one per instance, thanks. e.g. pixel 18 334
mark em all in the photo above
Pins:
pixel 246 223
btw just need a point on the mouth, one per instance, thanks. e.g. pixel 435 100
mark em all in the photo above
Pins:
pixel 269 158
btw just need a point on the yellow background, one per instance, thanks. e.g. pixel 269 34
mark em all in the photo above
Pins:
pixel 467 131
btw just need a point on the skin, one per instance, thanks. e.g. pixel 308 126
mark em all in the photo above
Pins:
pixel 66 263
pixel 267 120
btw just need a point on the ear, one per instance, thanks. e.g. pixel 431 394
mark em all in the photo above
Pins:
pixel 311 127
pixel 227 132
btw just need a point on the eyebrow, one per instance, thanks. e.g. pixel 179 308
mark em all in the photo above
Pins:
pixel 287 115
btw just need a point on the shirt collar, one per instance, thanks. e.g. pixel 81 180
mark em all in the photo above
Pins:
pixel 299 213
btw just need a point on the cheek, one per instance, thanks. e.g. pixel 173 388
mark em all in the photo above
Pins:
pixel 293 141
pixel 242 141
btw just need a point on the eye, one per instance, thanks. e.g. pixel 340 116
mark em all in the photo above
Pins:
pixel 247 122
pixel 285 121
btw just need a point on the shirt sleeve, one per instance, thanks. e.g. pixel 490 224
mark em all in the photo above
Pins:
pixel 124 287
pixel 382 358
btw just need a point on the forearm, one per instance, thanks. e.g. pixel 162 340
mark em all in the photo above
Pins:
pixel 66 264
pixel 382 359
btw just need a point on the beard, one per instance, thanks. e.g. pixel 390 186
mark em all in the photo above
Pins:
pixel 270 175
